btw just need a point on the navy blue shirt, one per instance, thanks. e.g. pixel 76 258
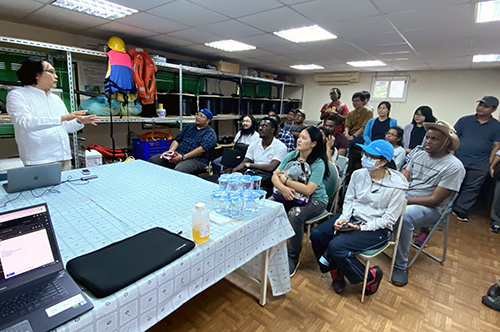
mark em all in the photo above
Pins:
pixel 476 139
pixel 191 138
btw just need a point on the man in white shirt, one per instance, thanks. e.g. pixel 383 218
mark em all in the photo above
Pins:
pixel 41 121
pixel 367 99
pixel 264 156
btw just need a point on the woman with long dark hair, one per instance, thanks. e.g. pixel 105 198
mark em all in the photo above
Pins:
pixel 414 133
pixel 311 151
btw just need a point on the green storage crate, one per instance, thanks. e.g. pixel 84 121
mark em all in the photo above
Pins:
pixel 169 82
pixel 6 130
pixel 248 90
pixel 264 91
pixel 164 81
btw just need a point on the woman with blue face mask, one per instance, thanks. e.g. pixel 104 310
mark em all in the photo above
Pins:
pixel 373 203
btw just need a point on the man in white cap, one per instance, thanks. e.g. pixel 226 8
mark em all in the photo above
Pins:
pixel 479 141
pixel 434 174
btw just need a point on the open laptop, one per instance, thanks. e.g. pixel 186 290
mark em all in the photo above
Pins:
pixel 36 293
pixel 25 178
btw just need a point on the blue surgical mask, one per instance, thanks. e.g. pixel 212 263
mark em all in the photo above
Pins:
pixel 368 163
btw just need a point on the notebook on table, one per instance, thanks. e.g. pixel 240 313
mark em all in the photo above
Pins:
pixel 32 177
pixel 36 293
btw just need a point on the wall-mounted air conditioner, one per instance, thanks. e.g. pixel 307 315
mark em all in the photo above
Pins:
pixel 339 78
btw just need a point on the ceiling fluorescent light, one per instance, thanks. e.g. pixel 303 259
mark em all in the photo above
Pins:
pixel 99 8
pixel 230 45
pixel 305 34
pixel 307 67
pixel 370 63
pixel 486 58
pixel 488 11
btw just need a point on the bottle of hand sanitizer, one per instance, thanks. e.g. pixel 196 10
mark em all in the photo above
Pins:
pixel 201 223
pixel 161 111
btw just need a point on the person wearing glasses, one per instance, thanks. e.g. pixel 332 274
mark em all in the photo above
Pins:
pixel 189 150
pixel 394 136
pixel 373 203
pixel 40 118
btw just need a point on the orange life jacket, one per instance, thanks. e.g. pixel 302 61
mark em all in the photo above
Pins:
pixel 144 70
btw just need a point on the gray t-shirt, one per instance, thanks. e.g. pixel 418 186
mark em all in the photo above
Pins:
pixel 427 173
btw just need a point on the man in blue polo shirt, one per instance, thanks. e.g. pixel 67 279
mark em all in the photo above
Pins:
pixel 189 150
pixel 479 141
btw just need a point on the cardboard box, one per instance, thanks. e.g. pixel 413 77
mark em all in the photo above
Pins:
pixel 89 158
pixel 269 76
pixel 227 67
pixel 288 79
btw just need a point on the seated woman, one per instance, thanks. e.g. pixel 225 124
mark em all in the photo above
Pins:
pixel 377 127
pixel 329 140
pixel 309 150
pixel 372 205
pixel 394 136
pixel 414 133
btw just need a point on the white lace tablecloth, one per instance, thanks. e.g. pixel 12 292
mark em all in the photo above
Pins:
pixel 128 198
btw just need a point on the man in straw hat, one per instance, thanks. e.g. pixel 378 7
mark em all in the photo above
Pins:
pixel 434 174
pixel 480 137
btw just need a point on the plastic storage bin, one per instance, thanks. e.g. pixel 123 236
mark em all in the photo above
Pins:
pixel 146 149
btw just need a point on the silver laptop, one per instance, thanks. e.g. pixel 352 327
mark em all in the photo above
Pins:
pixel 25 178
pixel 36 293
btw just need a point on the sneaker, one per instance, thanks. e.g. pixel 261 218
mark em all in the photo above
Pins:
pixel 372 286
pixel 338 283
pixel 421 238
pixel 491 302
pixel 399 277
pixel 493 291
pixel 495 227
pixel 460 216
pixel 293 266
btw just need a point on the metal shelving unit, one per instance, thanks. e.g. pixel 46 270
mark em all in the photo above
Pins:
pixel 30 47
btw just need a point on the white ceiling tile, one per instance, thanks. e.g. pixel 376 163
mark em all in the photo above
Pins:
pixel 241 8
pixel 264 40
pixel 441 31
pixel 429 17
pixel 164 41
pixel 370 39
pixel 258 53
pixel 140 5
pixel 291 48
pixel 117 28
pixel 25 7
pixel 436 34
pixel 353 27
pixel 231 29
pixel 187 13
pixel 276 19
pixel 56 15
pixel 153 23
pixel 197 36
pixel 325 11
pixel 391 6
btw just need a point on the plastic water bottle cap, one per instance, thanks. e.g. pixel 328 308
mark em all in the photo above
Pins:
pixel 200 205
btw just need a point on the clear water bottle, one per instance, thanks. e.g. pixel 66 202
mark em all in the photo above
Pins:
pixel 201 223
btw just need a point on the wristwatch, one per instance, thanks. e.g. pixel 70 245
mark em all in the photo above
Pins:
pixel 247 165
pixel 183 157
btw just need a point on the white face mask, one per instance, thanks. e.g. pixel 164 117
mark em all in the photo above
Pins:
pixel 368 163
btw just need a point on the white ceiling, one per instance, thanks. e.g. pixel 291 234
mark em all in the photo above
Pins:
pixel 405 34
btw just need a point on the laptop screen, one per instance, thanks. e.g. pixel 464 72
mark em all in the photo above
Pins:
pixel 26 238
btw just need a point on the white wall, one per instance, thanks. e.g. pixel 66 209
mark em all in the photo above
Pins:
pixel 450 93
